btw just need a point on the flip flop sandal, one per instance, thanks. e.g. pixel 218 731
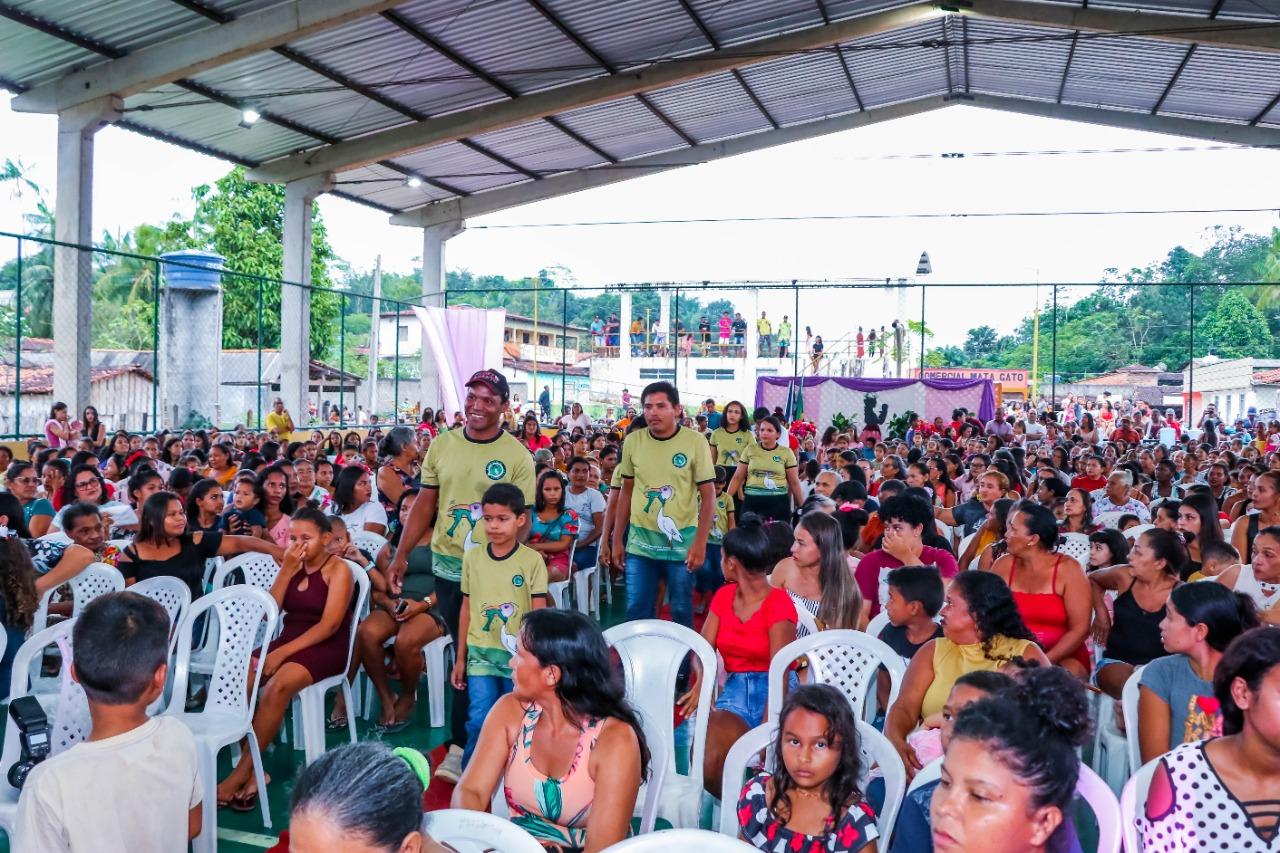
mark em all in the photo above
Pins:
pixel 336 724
pixel 392 728
pixel 244 803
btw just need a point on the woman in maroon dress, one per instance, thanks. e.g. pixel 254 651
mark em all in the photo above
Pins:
pixel 314 591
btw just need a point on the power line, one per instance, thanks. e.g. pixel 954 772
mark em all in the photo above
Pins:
pixel 876 216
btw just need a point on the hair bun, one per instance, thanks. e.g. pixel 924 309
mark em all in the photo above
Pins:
pixel 750 521
pixel 1058 701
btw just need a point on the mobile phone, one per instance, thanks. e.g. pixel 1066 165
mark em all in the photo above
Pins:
pixel 401 606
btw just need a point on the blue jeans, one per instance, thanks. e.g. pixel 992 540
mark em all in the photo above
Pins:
pixel 585 558
pixel 484 692
pixel 710 577
pixel 745 694
pixel 642 575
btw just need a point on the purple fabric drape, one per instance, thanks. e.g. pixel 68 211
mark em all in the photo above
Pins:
pixel 986 406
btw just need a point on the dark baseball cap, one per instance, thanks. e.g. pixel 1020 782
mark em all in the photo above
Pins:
pixel 493 380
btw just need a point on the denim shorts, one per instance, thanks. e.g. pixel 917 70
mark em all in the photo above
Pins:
pixel 1093 679
pixel 745 694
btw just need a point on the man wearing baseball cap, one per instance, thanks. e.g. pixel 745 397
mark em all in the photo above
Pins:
pixel 460 466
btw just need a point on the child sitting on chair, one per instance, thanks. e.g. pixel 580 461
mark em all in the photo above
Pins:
pixel 133 785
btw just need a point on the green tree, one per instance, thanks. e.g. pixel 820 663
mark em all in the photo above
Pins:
pixel 1236 328
pixel 979 343
pixel 244 222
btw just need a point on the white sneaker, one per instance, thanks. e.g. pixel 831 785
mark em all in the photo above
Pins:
pixel 451 768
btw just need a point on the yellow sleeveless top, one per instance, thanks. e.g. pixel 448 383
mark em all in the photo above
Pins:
pixel 950 661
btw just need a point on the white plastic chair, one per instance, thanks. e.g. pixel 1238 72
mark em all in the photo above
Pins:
pixel 964 543
pixel 475 832
pixel 309 703
pixel 436 654
pixel 584 580
pixel 243 611
pixel 844 659
pixel 877 624
pixel 55 536
pixel 652 652
pixel 681 839
pixel 210 569
pixel 171 593
pixel 1168 436
pixel 1074 545
pixel 259 570
pixel 93 580
pixel 947 532
pixel 368 541
pixel 67 708
pixel 1133 798
pixel 1108 519
pixel 1137 530
pixel 1129 709
pixel 558 589
pixel 1112 750
pixel 874 750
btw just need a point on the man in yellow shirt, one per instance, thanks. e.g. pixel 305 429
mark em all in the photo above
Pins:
pixel 765 330
pixel 279 419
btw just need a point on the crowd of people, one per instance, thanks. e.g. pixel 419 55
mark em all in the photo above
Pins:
pixel 949 544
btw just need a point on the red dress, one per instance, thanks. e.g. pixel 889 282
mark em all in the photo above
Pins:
pixel 1046 615
pixel 303 609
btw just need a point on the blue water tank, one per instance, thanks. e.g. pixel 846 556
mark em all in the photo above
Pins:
pixel 193 270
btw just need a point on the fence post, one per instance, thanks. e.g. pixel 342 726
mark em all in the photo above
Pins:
pixel 342 360
pixel 673 340
pixel 923 287
pixel 1191 362
pixel 1053 358
pixel 795 350
pixel 155 348
pixel 564 342
pixel 17 353
pixel 395 384
pixel 258 410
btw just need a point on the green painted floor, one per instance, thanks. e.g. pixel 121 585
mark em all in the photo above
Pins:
pixel 244 833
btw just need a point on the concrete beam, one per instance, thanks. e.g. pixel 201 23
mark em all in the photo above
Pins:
pixel 448 128
pixel 73 268
pixel 190 54
pixel 1214 131
pixel 585 179
pixel 295 302
pixel 434 238
pixel 1184 29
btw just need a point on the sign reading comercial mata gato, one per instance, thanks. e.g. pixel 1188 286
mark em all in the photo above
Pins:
pixel 1010 381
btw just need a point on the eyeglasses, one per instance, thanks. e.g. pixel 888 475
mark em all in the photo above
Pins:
pixel 25 480
pixel 86 484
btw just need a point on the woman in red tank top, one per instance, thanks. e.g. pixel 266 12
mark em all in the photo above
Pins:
pixel 1050 589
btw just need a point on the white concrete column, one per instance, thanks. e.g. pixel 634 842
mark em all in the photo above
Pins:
pixel 73 268
pixel 295 301
pixel 433 287
pixel 624 323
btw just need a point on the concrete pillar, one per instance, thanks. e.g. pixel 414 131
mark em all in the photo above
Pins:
pixel 73 268
pixel 295 302
pixel 624 322
pixel 433 286
pixel 664 316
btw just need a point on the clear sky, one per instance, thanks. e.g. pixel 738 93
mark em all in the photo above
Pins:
pixel 141 180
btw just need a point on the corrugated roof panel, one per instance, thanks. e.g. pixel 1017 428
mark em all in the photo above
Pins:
pixel 710 108
pixel 896 66
pixel 30 58
pixel 747 20
pixel 459 166
pixel 631 32
pixel 123 24
pixel 1250 9
pixel 1013 66
pixel 238 8
pixel 374 52
pixel 509 36
pixel 623 128
pixel 320 103
pixel 1186 7
pixel 1129 73
pixel 218 126
pixel 839 10
pixel 802 88
pixel 1218 83
pixel 540 147
pixel 381 185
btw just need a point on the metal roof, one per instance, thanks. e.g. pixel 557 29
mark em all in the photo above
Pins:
pixel 412 63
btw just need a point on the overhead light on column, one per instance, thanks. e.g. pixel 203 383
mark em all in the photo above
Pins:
pixel 249 117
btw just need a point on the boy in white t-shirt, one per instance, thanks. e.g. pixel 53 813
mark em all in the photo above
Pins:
pixel 133 784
